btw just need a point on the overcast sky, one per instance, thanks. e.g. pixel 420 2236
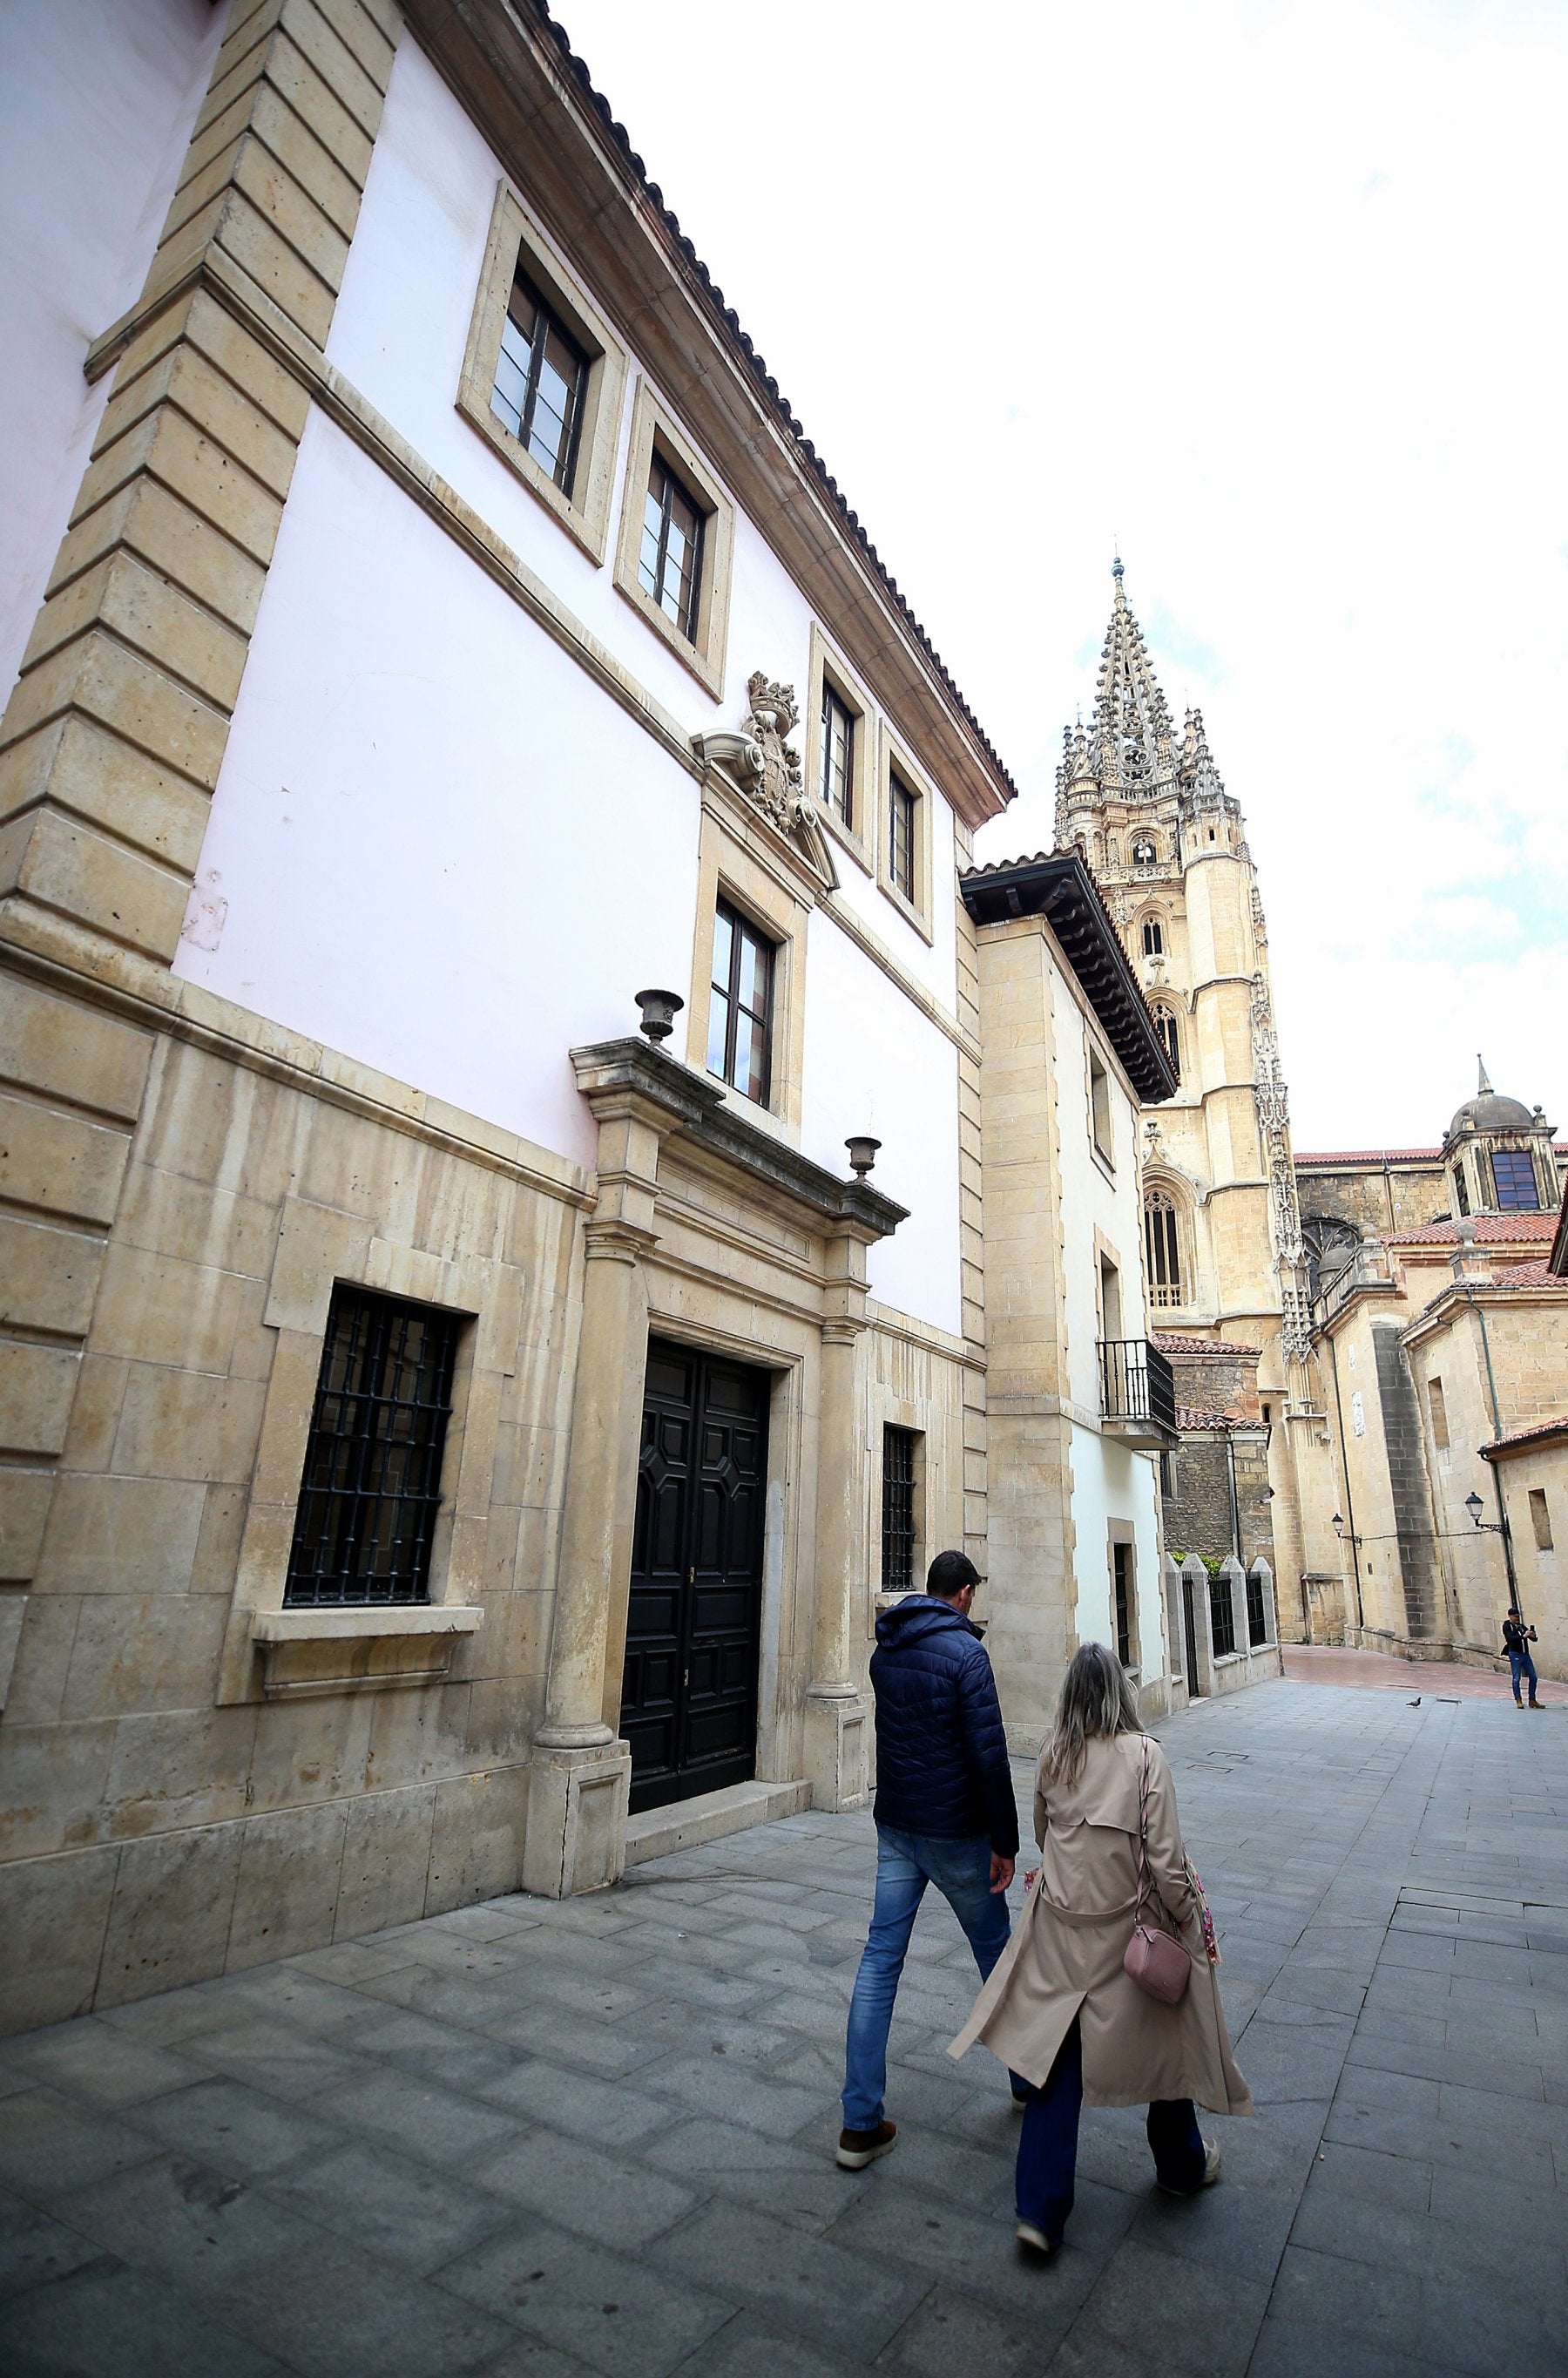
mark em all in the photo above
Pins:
pixel 1274 298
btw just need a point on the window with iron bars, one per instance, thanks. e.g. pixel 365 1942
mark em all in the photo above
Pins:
pixel 1222 1615
pixel 371 1488
pixel 1162 1250
pixel 898 1510
pixel 1121 1566
pixel 1257 1625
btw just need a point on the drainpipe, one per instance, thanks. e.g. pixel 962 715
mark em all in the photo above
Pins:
pixel 1496 1467
pixel 1235 1505
pixel 1349 1498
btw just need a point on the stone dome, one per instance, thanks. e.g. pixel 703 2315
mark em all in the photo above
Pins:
pixel 1492 1111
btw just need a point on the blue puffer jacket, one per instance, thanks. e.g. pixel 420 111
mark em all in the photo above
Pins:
pixel 941 1755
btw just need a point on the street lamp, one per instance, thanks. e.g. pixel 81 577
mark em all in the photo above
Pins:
pixel 1475 1507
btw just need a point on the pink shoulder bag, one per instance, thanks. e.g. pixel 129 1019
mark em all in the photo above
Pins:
pixel 1155 1958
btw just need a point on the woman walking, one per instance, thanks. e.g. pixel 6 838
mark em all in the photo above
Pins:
pixel 1061 2008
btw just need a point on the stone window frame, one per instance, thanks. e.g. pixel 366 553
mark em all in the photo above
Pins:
pixel 1540 1518
pixel 274 1651
pixel 1153 914
pixel 895 752
pixel 1164 1004
pixel 515 239
pixel 1124 1532
pixel 1436 1413
pixel 654 430
pixel 740 874
pixel 827 663
pixel 924 1418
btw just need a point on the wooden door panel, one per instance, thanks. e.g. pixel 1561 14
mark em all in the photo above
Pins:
pixel 693 1621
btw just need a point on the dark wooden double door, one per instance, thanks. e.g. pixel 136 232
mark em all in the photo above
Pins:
pixel 688 1694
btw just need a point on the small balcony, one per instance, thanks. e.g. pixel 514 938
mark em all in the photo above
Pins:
pixel 1137 1395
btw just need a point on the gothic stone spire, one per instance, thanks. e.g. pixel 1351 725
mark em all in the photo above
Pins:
pixel 1133 749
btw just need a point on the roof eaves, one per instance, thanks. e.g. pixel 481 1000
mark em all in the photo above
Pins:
pixel 1058 887
pixel 727 321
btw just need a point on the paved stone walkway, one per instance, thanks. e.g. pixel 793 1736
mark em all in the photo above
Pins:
pixel 1326 1663
pixel 536 2141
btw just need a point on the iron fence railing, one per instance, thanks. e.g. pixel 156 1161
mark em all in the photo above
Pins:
pixel 1136 1381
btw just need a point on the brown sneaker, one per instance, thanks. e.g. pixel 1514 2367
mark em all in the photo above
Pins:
pixel 857 2148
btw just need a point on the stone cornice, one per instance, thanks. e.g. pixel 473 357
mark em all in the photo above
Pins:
pixel 613 1072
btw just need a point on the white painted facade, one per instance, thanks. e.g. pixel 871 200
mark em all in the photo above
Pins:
pixel 439 846
pixel 97 102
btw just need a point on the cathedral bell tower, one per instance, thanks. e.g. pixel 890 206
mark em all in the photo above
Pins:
pixel 1147 811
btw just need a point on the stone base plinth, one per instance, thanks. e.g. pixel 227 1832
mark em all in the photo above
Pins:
pixel 837 1750
pixel 577 1813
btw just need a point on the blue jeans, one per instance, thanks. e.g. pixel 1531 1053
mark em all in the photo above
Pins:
pixel 1048 2150
pixel 905 1864
pixel 1521 1664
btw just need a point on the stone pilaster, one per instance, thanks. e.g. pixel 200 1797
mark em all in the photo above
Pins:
pixel 835 1744
pixel 580 1775
pixel 111 742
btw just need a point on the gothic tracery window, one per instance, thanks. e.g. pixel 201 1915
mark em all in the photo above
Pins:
pixel 1153 938
pixel 1162 1250
pixel 1170 1041
pixel 1142 853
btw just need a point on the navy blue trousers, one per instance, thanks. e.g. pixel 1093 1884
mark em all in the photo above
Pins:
pixel 1047 2151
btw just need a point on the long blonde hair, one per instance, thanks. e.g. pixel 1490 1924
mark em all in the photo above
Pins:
pixel 1097 1700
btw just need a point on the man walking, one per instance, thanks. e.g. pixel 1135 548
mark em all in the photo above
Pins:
pixel 945 1814
pixel 1517 1640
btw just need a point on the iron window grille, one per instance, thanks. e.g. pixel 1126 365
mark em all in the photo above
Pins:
pixel 1222 1616
pixel 670 565
pixel 540 378
pixel 1122 1565
pixel 835 773
pixel 740 1005
pixel 1257 1630
pixel 1513 1177
pixel 898 1509
pixel 371 1487
pixel 1162 1247
pixel 900 836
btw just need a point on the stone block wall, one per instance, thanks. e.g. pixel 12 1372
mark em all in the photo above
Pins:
pixel 163 1819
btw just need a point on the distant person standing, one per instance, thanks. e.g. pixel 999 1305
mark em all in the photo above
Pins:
pixel 945 1814
pixel 1517 1640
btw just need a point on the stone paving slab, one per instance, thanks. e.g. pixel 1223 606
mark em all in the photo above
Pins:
pixel 536 2141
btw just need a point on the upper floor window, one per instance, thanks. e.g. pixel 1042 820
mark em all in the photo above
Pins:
pixel 1461 1189
pixel 1164 1025
pixel 669 567
pixel 1513 1177
pixel 836 758
pixel 540 378
pixel 900 836
pixel 1162 1249
pixel 1540 1520
pixel 1143 854
pixel 1099 1108
pixel 371 1488
pixel 1153 938
pixel 740 1004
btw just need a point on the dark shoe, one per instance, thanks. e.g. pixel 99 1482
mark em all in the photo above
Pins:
pixel 1211 2173
pixel 857 2148
pixel 1035 2240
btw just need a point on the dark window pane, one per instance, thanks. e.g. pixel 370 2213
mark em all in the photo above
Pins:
pixel 740 1008
pixel 1513 1172
pixel 540 380
pixel 370 1489
pixel 671 561
pixel 900 836
pixel 898 1509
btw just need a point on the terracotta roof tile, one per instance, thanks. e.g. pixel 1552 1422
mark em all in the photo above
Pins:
pixel 1492 1230
pixel 1370 1156
pixel 1543 1431
pixel 1173 1342
pixel 1190 1418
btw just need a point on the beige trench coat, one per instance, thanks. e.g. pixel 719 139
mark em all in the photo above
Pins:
pixel 1064 1958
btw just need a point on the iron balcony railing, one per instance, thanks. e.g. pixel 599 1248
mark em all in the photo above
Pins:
pixel 1136 1381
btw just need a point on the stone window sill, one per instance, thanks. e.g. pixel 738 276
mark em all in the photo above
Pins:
pixel 307 1654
